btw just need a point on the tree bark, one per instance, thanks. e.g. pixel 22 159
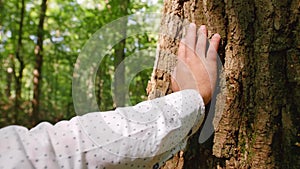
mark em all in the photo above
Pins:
pixel 260 49
pixel 37 73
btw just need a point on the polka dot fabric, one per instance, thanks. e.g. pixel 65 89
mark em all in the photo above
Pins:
pixel 141 136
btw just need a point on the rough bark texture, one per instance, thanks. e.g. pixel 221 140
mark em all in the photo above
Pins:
pixel 260 49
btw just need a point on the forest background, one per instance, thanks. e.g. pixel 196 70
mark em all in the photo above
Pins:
pixel 39 44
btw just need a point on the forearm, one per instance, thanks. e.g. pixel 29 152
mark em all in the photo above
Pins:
pixel 130 136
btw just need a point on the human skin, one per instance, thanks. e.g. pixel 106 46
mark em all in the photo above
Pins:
pixel 197 65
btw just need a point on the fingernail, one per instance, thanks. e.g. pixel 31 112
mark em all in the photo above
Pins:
pixel 217 36
pixel 202 27
pixel 183 40
pixel 192 25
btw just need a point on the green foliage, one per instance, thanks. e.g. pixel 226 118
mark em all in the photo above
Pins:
pixel 68 25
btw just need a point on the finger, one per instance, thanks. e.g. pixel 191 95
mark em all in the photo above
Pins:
pixel 190 39
pixel 213 47
pixel 181 50
pixel 202 41
pixel 174 85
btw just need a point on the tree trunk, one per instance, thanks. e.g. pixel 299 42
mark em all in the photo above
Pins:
pixel 19 77
pixel 260 49
pixel 119 55
pixel 37 73
pixel 119 78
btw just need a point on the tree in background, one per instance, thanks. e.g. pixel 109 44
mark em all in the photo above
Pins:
pixel 37 72
pixel 119 54
pixel 18 76
pixel 260 49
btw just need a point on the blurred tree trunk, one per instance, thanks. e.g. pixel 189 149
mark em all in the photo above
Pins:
pixel 119 78
pixel 37 72
pixel 8 86
pixel 18 76
pixel 120 8
pixel 260 49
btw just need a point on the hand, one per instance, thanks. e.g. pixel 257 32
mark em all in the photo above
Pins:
pixel 197 66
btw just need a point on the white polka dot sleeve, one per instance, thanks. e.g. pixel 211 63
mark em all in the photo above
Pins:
pixel 141 136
